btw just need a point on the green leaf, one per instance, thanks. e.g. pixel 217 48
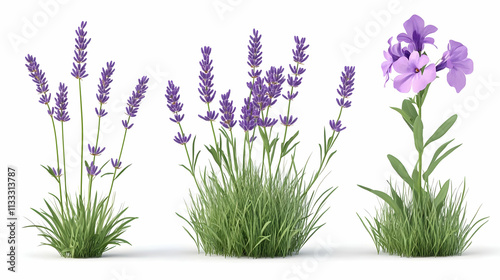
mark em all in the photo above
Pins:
pixel 409 109
pixel 265 139
pixel 384 197
pixel 442 129
pixel 405 116
pixel 440 149
pixel 105 174
pixel 214 154
pixel 442 195
pixel 418 130
pixel 122 171
pixel 397 199
pixel 435 162
pixel 400 169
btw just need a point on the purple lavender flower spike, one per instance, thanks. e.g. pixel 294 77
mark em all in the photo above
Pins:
pixel 254 54
pixel 37 75
pixel 337 126
pixel 103 87
pixel 93 170
pixel 206 77
pixel 287 121
pixel 260 96
pixel 416 33
pixel 116 164
pixel 79 65
pixel 411 72
pixel 346 88
pixel 95 151
pixel 51 111
pixel 182 139
pixel 227 111
pixel 173 103
pixel 57 172
pixel 294 81
pixel 45 99
pixel 455 59
pixel 299 55
pixel 61 113
pixel 134 101
pixel 249 116
pixel 275 79
pixel 289 96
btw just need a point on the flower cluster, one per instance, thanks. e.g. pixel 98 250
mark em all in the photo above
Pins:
pixel 79 65
pixel 103 88
pixel 254 54
pixel 412 63
pixel 134 101
pixel 61 113
pixel 227 110
pixel 249 116
pixel 274 79
pixel 206 91
pixel 93 170
pixel 345 90
pixel 37 75
pixel 175 107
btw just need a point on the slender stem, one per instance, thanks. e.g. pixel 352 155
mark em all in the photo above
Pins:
pixel 96 143
pixel 420 153
pixel 64 162
pixel 118 162
pixel 58 165
pixel 191 163
pixel 81 150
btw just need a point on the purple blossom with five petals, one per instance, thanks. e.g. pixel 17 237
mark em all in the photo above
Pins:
pixel 413 75
pixel 416 33
pixel 455 59
pixel 393 53
pixel 79 65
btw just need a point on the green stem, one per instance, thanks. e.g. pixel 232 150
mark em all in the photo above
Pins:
pixel 64 162
pixel 96 143
pixel 57 155
pixel 81 150
pixel 191 163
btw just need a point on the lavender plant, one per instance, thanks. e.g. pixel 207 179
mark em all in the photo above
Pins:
pixel 252 204
pixel 422 219
pixel 83 224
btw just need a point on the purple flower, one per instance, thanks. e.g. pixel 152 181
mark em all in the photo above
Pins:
pixel 346 87
pixel 173 103
pixel 79 65
pixel 412 73
pixel 126 125
pixel 61 113
pixel 290 96
pixel 455 59
pixel 101 112
pixel 254 54
pixel 227 111
pixel 51 111
pixel 288 121
pixel 134 101
pixel 95 151
pixel 181 139
pixel 206 77
pixel 274 79
pixel 416 33
pixel 249 116
pixel 260 96
pixel 37 75
pixel 104 82
pixel 337 126
pixel 267 122
pixel 92 170
pixel 45 99
pixel 299 55
pixel 57 172
pixel 393 53
pixel 116 164
pixel 252 139
pixel 211 116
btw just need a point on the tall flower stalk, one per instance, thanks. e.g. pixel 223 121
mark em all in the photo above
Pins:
pixel 247 208
pixel 87 225
pixel 428 220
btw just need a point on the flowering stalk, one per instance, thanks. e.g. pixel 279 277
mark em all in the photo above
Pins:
pixel 299 57
pixel 133 103
pixel 61 115
pixel 79 72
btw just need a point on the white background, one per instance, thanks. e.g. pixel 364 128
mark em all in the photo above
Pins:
pixel 163 40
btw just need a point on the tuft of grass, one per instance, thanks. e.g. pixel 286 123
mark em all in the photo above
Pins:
pixel 82 230
pixel 254 214
pixel 425 228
